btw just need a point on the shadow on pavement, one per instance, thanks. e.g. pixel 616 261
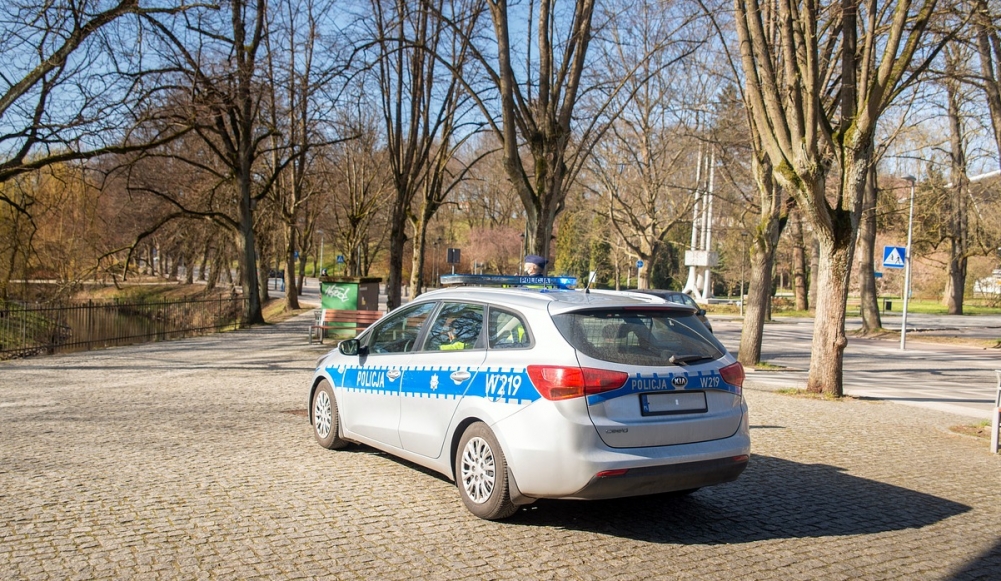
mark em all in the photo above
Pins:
pixel 773 499
pixel 986 566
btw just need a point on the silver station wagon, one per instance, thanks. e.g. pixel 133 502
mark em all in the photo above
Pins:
pixel 525 393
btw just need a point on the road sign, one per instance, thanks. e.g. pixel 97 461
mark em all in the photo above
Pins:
pixel 639 264
pixel 893 256
pixel 340 259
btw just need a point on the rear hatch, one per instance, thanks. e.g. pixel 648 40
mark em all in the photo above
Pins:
pixel 679 384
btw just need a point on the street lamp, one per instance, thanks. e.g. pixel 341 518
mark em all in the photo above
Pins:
pixel 437 241
pixel 907 266
pixel 743 255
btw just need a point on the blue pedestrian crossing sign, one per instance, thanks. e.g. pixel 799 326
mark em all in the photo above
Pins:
pixel 893 256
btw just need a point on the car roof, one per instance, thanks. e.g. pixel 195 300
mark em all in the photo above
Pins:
pixel 555 301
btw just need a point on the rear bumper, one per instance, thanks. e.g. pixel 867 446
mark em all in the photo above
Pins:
pixel 551 457
pixel 660 479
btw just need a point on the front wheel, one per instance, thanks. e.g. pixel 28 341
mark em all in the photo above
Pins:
pixel 325 420
pixel 481 474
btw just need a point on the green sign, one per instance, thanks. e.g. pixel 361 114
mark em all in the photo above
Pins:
pixel 339 295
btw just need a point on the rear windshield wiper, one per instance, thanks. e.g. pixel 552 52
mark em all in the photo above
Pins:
pixel 686 359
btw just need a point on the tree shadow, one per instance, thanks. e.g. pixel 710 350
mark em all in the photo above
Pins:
pixel 985 566
pixel 774 499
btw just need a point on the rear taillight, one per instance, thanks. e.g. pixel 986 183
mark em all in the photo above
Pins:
pixel 558 382
pixel 734 375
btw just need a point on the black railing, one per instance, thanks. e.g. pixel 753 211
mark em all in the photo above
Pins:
pixel 28 330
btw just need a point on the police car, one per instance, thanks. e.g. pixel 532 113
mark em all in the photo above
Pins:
pixel 518 394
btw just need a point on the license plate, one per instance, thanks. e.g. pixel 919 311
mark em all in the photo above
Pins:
pixel 679 402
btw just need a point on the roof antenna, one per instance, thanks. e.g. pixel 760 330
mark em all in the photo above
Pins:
pixel 590 279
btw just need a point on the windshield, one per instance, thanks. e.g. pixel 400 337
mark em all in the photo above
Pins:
pixel 649 337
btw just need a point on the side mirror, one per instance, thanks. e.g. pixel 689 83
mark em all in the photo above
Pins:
pixel 349 347
pixel 702 312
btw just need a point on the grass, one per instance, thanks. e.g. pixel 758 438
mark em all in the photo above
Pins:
pixel 765 366
pixel 934 307
pixel 274 311
pixel 797 392
pixel 980 430
pixel 154 292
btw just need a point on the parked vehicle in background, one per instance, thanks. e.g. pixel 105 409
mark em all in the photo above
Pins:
pixel 682 299
pixel 526 393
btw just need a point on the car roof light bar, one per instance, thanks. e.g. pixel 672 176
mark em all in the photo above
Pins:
pixel 560 282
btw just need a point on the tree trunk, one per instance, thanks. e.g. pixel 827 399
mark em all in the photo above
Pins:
pixel 829 339
pixel 291 284
pixel 871 321
pixel 189 271
pixel 397 239
pixel 814 269
pixel 262 281
pixel 246 242
pixel 203 265
pixel 417 281
pixel 958 220
pixel 761 255
pixel 799 263
pixel 214 272
pixel 837 249
pixel 759 294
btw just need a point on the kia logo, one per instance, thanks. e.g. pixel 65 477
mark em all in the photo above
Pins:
pixel 679 381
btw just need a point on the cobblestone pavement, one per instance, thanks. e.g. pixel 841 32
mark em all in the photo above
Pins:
pixel 191 460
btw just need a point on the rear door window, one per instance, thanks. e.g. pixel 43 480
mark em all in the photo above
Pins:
pixel 507 330
pixel 650 337
pixel 458 327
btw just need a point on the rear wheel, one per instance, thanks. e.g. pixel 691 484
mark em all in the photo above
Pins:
pixel 481 474
pixel 325 421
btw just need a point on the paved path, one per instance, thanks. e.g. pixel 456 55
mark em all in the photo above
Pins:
pixel 956 378
pixel 189 460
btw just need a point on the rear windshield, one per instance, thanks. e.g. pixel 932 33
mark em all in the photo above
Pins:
pixel 640 337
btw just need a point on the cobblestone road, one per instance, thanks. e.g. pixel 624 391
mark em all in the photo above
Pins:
pixel 188 460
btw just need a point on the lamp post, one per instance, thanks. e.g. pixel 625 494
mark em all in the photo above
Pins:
pixel 907 266
pixel 437 242
pixel 743 255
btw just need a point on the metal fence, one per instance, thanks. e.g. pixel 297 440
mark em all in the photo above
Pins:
pixel 29 330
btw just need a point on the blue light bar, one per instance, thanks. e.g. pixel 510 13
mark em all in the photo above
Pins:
pixel 561 282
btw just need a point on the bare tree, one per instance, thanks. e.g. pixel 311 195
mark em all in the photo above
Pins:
pixel 70 89
pixel 218 62
pixel 645 163
pixel 788 78
pixel 361 187
pixel 985 24
pixel 537 105
pixel 56 102
pixel 422 54
pixel 305 81
pixel 761 254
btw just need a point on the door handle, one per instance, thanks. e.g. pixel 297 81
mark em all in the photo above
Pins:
pixel 393 374
pixel 459 376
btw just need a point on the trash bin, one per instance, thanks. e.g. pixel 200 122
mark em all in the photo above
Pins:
pixel 347 294
pixel 887 305
pixel 350 293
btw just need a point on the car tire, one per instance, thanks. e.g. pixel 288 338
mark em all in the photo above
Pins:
pixel 481 474
pixel 326 423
